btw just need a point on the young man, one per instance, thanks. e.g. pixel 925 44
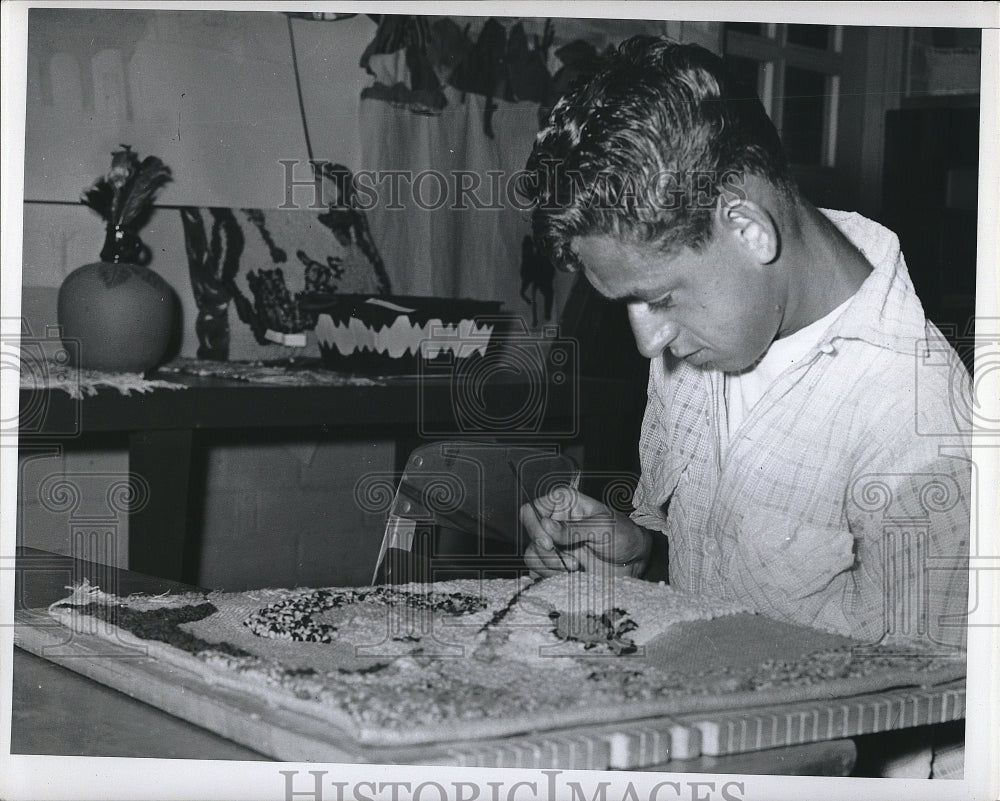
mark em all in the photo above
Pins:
pixel 801 447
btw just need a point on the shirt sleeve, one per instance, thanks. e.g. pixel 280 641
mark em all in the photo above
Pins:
pixel 649 493
pixel 909 507
pixel 910 516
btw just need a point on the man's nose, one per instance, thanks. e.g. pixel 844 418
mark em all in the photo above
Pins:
pixel 653 331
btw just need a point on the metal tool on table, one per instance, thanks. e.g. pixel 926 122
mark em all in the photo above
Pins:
pixel 467 489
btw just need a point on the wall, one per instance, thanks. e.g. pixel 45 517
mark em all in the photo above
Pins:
pixel 212 93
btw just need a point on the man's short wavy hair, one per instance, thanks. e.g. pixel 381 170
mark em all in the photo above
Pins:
pixel 641 150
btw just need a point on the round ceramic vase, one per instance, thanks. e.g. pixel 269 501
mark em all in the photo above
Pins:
pixel 119 317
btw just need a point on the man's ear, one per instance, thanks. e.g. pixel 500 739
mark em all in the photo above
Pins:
pixel 751 225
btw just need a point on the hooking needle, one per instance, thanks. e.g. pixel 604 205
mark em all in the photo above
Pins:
pixel 524 496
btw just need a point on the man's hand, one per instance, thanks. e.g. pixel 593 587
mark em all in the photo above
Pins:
pixel 571 531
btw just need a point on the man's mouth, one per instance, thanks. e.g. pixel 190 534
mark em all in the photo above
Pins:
pixel 692 357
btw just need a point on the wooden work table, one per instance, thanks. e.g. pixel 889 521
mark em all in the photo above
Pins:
pixel 57 711
pixel 163 426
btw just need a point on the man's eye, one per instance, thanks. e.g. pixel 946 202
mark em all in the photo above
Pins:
pixel 660 305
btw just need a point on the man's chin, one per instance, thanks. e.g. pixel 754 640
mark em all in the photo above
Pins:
pixel 729 367
pixel 700 359
pixel 704 359
pixel 733 366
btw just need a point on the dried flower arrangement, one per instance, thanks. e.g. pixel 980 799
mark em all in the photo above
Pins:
pixel 124 199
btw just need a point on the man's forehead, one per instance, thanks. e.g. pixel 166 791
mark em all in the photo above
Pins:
pixel 604 249
pixel 622 270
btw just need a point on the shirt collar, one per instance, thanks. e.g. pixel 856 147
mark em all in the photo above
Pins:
pixel 885 311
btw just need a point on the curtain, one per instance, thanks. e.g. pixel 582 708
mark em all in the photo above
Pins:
pixel 437 242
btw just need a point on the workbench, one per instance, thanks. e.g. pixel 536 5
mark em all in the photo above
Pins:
pixel 164 427
pixel 57 711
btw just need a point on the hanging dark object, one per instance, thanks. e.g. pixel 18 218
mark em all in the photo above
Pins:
pixel 580 60
pixel 393 33
pixel 527 74
pixel 410 34
pixel 537 275
pixel 482 70
pixel 448 45
pixel 497 65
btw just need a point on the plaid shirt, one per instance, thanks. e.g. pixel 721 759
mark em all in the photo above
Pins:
pixel 842 502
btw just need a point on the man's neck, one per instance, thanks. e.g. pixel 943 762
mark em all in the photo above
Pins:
pixel 824 268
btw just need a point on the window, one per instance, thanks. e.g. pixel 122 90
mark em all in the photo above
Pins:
pixel 796 71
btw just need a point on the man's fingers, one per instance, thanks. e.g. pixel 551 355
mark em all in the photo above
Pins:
pixel 536 564
pixel 549 533
pixel 541 529
pixel 565 503
pixel 549 563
